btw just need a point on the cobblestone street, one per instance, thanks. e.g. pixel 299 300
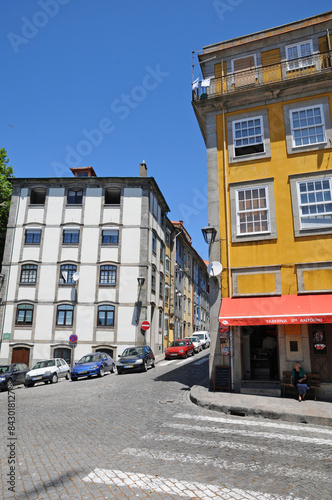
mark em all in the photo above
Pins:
pixel 139 436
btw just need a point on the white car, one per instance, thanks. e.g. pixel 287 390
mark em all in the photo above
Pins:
pixel 198 344
pixel 204 337
pixel 49 370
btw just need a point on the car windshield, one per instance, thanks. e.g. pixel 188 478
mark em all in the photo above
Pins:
pixel 44 364
pixel 4 369
pixel 195 339
pixel 200 336
pixel 132 351
pixel 89 358
pixel 178 343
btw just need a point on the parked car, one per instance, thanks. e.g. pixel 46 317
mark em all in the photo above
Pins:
pixel 198 343
pixel 95 363
pixel 135 358
pixel 180 349
pixel 48 370
pixel 12 374
pixel 204 337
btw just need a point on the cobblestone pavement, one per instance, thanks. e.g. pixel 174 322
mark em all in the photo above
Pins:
pixel 137 436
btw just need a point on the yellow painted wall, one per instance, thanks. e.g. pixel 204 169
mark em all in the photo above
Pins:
pixel 256 283
pixel 320 279
pixel 286 249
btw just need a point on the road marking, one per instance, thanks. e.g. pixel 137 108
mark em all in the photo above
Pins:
pixel 252 448
pixel 254 434
pixel 159 484
pixel 219 463
pixel 256 423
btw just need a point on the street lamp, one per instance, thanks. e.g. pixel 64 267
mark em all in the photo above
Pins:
pixel 209 234
pixel 140 281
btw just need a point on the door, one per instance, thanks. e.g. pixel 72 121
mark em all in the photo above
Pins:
pixel 21 355
pixel 321 350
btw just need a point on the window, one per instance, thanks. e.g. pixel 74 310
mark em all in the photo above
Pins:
pixel 107 275
pixel 70 236
pixel 65 315
pixel 166 295
pixel 296 55
pixel 110 236
pixel 82 174
pixel 307 126
pixel 189 307
pixel 24 314
pixel 66 273
pixel 32 236
pixel 74 197
pixel 112 196
pixel 160 319
pixel 154 243
pixel 315 203
pixel 162 251
pixel 168 237
pixel 252 210
pixel 167 265
pixel 37 196
pixel 161 285
pixel 248 136
pixel 105 316
pixel 153 279
pixel 28 273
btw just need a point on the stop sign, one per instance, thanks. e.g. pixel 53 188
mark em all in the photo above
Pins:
pixel 145 325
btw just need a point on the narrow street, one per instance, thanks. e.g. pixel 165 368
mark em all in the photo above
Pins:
pixel 139 436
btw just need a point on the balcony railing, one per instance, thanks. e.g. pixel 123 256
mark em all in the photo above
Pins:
pixel 262 75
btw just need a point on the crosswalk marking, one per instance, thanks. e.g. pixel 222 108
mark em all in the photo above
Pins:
pixel 255 434
pixel 255 423
pixel 172 486
pixel 219 463
pixel 233 445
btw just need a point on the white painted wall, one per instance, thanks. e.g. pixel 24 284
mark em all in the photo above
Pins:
pixel 35 214
pixel 87 284
pixel 106 294
pixel 72 215
pixel 55 204
pixel 132 203
pixel 127 331
pixel 130 245
pixel 128 286
pixel 109 254
pixel 12 283
pixel 90 244
pixel 22 335
pixel 48 279
pixel 22 200
pixel 85 322
pixel 17 244
pixel 51 242
pixel 111 215
pixel 44 321
pixel 92 206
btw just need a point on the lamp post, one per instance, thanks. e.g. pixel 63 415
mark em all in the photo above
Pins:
pixel 210 234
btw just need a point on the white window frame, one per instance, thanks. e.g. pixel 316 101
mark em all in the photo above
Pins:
pixel 306 108
pixel 299 61
pixel 267 209
pixel 258 117
pixel 242 57
pixel 301 204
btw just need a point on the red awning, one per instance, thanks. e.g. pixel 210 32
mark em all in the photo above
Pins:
pixel 284 310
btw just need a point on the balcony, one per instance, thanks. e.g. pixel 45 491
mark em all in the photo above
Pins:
pixel 263 76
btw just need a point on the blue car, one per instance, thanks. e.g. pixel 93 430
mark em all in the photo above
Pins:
pixel 95 363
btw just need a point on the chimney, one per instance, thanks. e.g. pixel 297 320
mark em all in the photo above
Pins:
pixel 143 171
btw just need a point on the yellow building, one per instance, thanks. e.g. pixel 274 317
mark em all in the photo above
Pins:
pixel 264 108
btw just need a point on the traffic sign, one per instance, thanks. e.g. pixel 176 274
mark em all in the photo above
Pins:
pixel 73 339
pixel 145 325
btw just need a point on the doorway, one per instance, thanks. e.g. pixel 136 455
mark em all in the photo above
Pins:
pixel 321 350
pixel 21 355
pixel 64 353
pixel 260 353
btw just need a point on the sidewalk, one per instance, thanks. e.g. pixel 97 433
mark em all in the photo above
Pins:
pixel 290 410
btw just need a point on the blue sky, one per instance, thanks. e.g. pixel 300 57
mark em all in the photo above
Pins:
pixel 107 83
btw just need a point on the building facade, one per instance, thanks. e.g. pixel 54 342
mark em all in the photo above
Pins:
pixel 264 109
pixel 75 249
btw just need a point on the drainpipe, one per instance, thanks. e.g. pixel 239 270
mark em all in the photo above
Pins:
pixel 229 288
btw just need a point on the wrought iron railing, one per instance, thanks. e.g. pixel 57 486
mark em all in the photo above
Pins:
pixel 262 75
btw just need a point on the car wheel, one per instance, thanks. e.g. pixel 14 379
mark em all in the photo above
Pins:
pixel 153 364
pixel 186 355
pixel 145 366
pixel 193 352
pixel 10 384
pixel 54 378
pixel 67 376
pixel 74 379
pixel 101 372
pixel 114 369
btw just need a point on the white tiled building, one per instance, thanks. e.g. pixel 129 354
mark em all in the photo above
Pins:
pixel 75 247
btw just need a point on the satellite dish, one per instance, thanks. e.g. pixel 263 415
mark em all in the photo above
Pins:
pixel 76 276
pixel 214 268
